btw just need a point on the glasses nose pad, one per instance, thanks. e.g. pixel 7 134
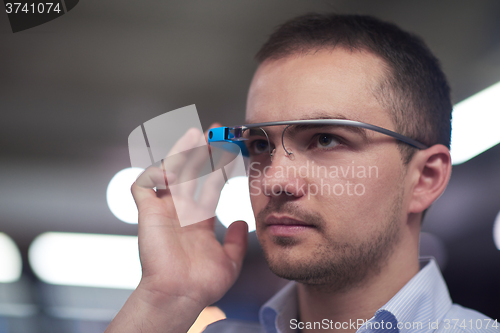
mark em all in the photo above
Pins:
pixel 288 153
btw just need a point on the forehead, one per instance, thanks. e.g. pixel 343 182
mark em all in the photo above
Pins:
pixel 337 83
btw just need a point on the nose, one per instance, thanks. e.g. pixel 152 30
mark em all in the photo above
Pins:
pixel 282 176
pixel 288 153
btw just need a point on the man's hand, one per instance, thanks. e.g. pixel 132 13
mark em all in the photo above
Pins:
pixel 184 269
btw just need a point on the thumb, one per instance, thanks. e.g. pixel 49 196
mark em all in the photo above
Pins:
pixel 236 241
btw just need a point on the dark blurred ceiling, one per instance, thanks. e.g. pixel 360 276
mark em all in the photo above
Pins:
pixel 74 88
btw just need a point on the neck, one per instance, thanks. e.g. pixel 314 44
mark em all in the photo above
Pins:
pixel 363 300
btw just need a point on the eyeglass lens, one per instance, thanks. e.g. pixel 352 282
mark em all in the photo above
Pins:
pixel 319 143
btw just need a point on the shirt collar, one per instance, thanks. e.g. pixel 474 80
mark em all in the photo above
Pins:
pixel 424 299
pixel 276 314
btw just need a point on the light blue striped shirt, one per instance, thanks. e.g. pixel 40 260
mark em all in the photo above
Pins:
pixel 422 305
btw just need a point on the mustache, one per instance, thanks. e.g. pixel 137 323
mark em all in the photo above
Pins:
pixel 291 209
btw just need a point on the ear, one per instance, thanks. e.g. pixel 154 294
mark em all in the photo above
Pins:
pixel 430 170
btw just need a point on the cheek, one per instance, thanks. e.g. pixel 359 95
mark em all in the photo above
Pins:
pixel 257 197
pixel 361 197
pixel 376 207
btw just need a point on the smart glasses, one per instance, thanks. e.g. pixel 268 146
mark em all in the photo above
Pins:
pixel 315 139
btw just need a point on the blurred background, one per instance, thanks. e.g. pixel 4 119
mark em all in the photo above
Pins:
pixel 74 88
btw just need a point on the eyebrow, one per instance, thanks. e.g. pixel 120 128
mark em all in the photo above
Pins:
pixel 318 115
pixel 255 131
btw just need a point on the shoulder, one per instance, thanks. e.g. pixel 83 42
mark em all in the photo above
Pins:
pixel 233 326
pixel 463 320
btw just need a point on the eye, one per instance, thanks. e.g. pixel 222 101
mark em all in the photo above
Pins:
pixel 259 147
pixel 327 141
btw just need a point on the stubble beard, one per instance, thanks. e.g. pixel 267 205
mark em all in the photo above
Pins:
pixel 335 266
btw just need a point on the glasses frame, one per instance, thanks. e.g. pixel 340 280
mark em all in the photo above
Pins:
pixel 235 134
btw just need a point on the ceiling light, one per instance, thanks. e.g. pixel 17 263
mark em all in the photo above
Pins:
pixel 496 231
pixel 475 124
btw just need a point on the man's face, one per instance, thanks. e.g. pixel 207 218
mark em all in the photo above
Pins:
pixel 309 235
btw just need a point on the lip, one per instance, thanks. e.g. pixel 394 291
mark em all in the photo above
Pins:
pixel 285 220
pixel 286 226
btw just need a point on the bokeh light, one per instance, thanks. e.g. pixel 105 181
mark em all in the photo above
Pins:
pixel 89 260
pixel 10 260
pixel 118 195
pixel 234 203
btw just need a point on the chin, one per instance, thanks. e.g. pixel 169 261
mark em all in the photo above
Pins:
pixel 303 270
pixel 331 266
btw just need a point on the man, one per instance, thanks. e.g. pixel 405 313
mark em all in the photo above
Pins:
pixel 352 251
